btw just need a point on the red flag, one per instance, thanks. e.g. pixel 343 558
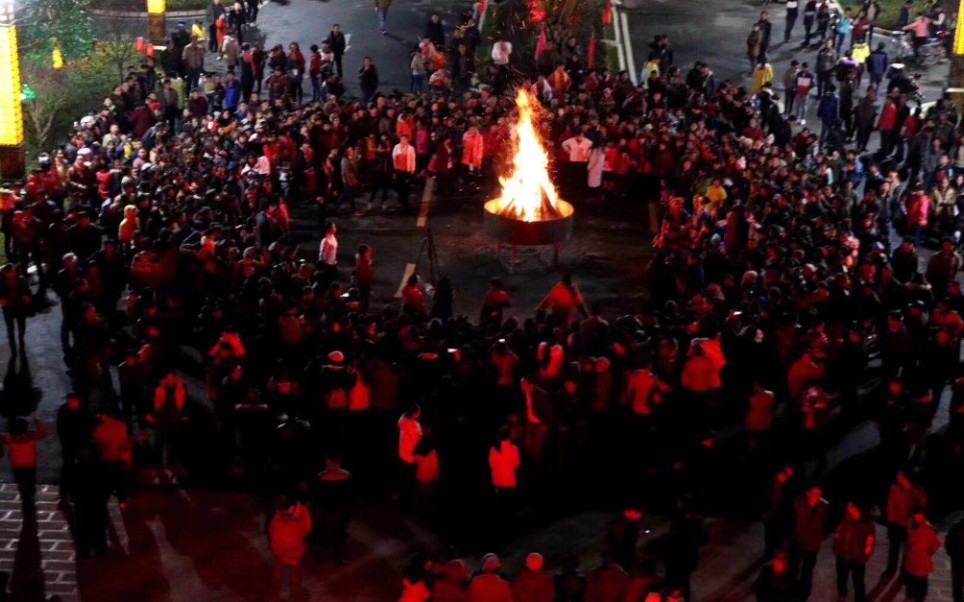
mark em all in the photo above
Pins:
pixel 591 58
pixel 482 6
pixel 608 13
pixel 541 43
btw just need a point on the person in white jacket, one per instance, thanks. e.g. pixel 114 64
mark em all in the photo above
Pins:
pixel 597 163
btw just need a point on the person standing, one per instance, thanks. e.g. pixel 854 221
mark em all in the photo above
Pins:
pixel 753 45
pixel 804 85
pixel 409 436
pixel 534 583
pixel 296 72
pixel 809 529
pixel 179 41
pixel 504 463
pixel 328 253
pixel 826 63
pixel 114 446
pixel 403 162
pixel 381 11
pixel 368 79
pixel 954 546
pixel 419 73
pixel 922 544
pixel 288 532
pixel 577 152
pixel 336 41
pixel 809 16
pixel 902 500
pixel 853 544
pixel 790 87
pixel 75 424
pixel 16 301
pixel 335 484
pixel 877 64
pixel 686 535
pixel 435 31
pixel 791 19
pixel 845 24
pixel 766 29
pixel 21 444
pixel 828 110
pixel 193 57
pixel 864 117
pixel 872 12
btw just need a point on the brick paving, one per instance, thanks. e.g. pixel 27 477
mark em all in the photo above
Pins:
pixel 38 554
pixel 184 545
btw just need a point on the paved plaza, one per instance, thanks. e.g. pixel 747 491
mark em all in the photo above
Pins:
pixel 205 545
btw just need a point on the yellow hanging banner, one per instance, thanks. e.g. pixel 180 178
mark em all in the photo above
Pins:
pixel 11 113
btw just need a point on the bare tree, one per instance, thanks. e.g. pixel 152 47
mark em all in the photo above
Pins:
pixel 115 44
pixel 53 96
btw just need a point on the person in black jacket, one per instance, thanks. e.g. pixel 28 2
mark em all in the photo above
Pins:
pixel 75 424
pixel 367 78
pixel 434 31
pixel 336 41
pixel 954 545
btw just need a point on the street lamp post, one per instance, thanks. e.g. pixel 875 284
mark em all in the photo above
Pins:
pixel 12 155
pixel 156 21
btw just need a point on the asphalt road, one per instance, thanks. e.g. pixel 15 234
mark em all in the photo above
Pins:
pixel 309 21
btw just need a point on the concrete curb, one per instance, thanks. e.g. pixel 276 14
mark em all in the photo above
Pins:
pixel 131 14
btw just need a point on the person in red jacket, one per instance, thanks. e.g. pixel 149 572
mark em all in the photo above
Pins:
pixel 114 446
pixel 809 522
pixel 22 445
pixel 922 544
pixel 904 497
pixel 488 585
pixel 534 583
pixel 853 543
pixel 287 533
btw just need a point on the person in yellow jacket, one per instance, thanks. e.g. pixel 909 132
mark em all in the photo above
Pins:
pixel 762 73
pixel 199 31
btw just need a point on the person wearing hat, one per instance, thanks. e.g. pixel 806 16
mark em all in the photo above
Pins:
pixel 488 585
pixel 179 41
pixel 534 583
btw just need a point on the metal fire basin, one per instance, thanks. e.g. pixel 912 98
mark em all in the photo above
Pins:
pixel 516 232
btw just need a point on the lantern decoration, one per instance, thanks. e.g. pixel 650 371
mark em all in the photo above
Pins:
pixel 157 21
pixel 149 51
pixel 57 56
pixel 11 114
pixel 959 33
pixel 140 45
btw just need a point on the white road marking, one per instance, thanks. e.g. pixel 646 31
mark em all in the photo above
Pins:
pixel 620 50
pixel 426 204
pixel 409 270
pixel 630 60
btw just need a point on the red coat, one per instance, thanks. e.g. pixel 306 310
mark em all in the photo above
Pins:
pixel 287 534
pixel 922 544
pixel 489 587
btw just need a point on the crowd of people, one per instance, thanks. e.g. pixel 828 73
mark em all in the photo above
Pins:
pixel 791 291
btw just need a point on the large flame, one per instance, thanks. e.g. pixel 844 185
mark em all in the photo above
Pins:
pixel 527 191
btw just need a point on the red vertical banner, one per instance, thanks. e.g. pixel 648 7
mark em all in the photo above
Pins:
pixel 591 53
pixel 608 13
pixel 541 43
